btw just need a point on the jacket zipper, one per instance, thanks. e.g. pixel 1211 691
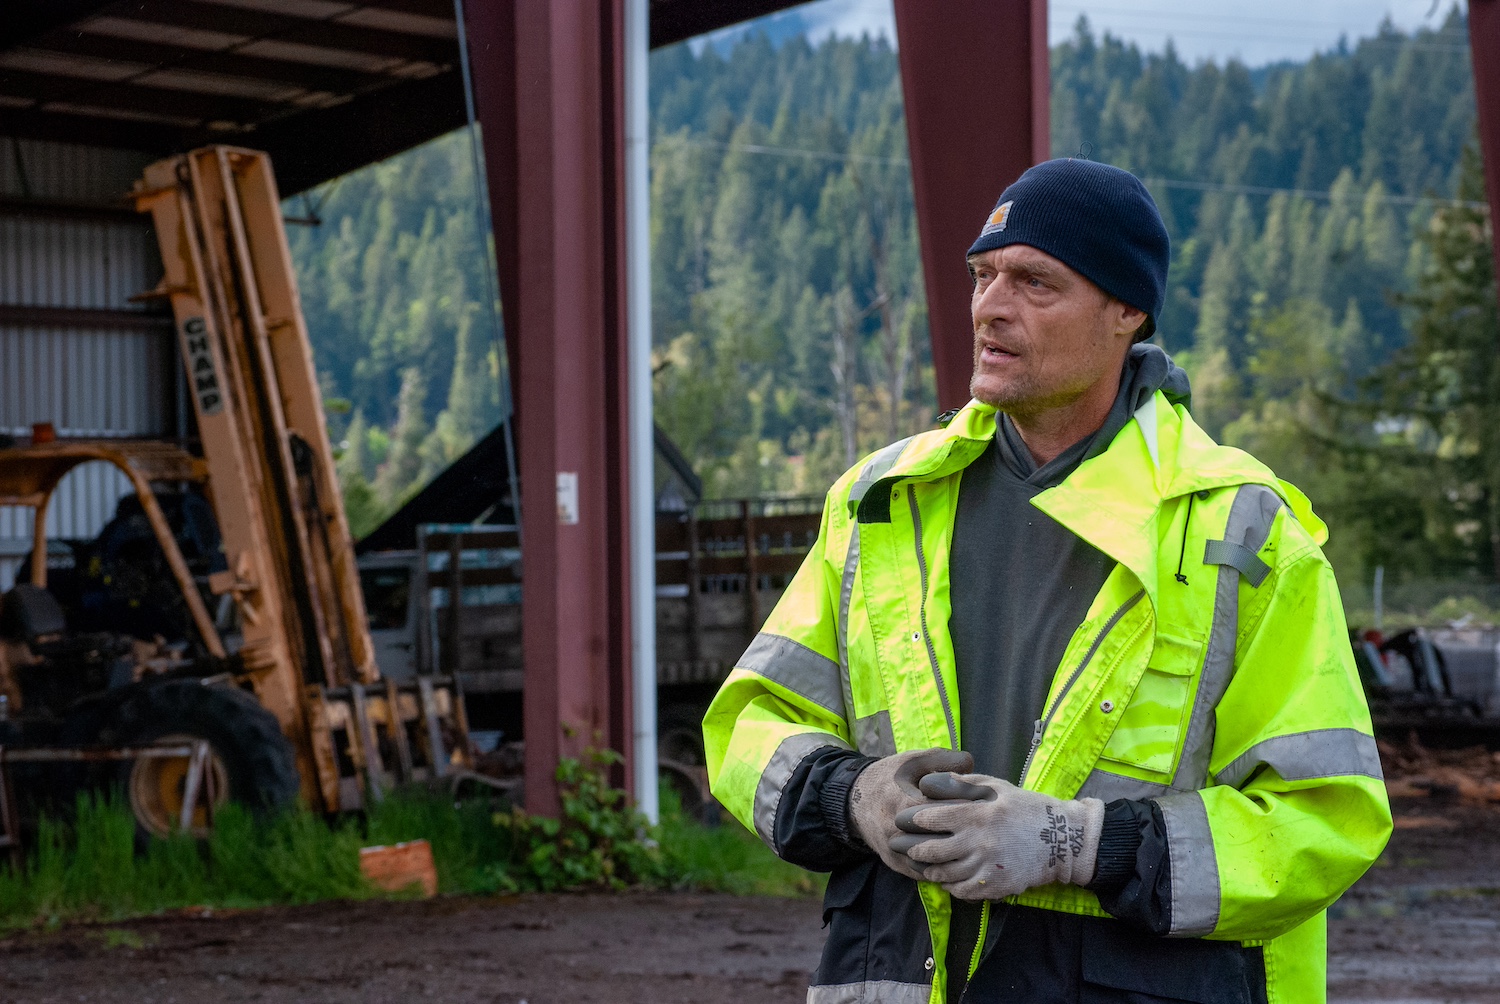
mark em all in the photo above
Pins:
pixel 1045 720
pixel 984 930
pixel 937 674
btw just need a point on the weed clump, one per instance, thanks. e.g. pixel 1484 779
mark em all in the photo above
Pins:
pixel 91 867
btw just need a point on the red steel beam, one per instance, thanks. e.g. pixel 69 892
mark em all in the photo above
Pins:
pixel 549 96
pixel 974 75
pixel 491 31
pixel 1484 55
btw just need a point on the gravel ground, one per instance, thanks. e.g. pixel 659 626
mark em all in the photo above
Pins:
pixel 1422 927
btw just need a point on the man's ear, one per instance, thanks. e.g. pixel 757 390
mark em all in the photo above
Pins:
pixel 1129 319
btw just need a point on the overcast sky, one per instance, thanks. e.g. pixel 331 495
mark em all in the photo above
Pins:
pixel 1258 33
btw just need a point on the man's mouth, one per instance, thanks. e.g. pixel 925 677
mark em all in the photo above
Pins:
pixel 992 353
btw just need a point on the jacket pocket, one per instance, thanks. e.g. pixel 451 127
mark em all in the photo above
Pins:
pixel 1149 730
pixel 845 886
pixel 877 928
pixel 846 915
pixel 1121 963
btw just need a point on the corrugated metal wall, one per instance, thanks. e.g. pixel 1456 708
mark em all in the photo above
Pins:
pixel 93 379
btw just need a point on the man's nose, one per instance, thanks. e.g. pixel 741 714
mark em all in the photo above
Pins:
pixel 992 303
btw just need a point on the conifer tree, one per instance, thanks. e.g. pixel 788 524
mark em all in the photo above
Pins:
pixel 1448 380
pixel 397 477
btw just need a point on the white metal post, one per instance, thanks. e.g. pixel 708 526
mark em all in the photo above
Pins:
pixel 642 455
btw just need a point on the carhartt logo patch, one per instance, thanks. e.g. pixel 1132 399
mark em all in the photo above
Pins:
pixel 997 219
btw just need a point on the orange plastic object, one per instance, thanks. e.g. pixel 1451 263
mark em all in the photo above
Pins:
pixel 400 866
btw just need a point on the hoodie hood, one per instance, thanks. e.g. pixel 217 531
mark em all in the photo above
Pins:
pixel 1147 370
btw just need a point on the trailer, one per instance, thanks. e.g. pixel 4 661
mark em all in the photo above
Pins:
pixel 452 605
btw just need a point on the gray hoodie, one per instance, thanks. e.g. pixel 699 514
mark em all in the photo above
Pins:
pixel 1020 586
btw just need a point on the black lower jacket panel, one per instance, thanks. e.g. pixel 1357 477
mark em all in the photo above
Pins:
pixel 1036 956
pixel 877 929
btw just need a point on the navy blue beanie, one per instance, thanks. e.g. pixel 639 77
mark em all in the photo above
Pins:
pixel 1096 219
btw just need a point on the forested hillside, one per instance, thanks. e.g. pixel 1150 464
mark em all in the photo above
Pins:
pixel 399 309
pixel 790 323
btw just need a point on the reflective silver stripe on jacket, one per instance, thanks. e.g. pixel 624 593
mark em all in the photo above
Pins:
pixel 1194 866
pixel 1236 556
pixel 1302 756
pixel 792 751
pixel 1107 787
pixel 870 992
pixel 1250 519
pixel 797 668
pixel 846 596
pixel 873 735
pixel 875 468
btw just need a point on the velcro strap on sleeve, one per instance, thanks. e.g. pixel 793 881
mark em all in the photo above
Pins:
pixel 1239 557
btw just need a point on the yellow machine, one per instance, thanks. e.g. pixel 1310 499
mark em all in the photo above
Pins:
pixel 305 646
pixel 278 615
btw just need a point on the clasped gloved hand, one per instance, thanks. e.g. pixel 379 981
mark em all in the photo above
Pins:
pixel 888 786
pixel 984 838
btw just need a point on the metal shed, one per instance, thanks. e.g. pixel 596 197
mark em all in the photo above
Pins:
pixel 90 90
pixel 74 351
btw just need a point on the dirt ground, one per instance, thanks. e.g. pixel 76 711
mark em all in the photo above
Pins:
pixel 1423 926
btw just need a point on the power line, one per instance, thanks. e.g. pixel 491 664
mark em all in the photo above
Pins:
pixel 1305 193
pixel 1173 28
pixel 1195 15
pixel 788 151
pixel 1178 183
pixel 1173 31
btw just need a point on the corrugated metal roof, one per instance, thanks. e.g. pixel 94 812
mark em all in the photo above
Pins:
pixel 193 71
pixel 370 78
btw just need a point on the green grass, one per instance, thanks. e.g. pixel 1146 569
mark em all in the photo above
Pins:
pixel 89 869
pixel 726 858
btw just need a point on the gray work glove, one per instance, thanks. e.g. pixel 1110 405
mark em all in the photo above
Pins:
pixel 987 839
pixel 889 785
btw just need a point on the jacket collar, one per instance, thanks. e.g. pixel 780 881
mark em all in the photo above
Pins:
pixel 1111 500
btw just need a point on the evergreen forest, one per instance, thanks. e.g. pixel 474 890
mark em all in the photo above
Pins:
pixel 1331 291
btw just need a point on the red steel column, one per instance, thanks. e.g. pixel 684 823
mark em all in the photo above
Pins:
pixel 549 91
pixel 490 26
pixel 1484 54
pixel 975 78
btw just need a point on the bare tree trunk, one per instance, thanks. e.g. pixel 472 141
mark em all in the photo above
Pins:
pixel 895 347
pixel 1492 510
pixel 845 355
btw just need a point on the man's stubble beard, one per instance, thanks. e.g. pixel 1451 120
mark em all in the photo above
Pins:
pixel 1017 399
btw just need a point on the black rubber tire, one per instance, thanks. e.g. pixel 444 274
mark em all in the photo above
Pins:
pixel 679 731
pixel 259 760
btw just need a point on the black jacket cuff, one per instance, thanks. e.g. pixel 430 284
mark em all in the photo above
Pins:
pixel 812 819
pixel 833 799
pixel 1118 842
pixel 1132 879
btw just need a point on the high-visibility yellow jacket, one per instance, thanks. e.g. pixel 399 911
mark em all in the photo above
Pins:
pixel 1211 676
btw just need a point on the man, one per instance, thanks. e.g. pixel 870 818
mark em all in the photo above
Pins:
pixel 1130 632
